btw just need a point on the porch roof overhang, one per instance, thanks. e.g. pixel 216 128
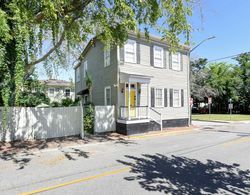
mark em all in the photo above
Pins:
pixel 83 92
pixel 134 78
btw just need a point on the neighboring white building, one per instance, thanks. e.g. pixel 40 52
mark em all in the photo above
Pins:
pixel 57 90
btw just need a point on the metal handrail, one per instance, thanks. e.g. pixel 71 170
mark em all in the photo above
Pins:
pixel 159 115
pixel 155 111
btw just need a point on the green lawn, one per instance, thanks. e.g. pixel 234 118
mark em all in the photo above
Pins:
pixel 221 117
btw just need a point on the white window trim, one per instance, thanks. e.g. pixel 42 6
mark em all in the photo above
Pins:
pixel 179 98
pixel 157 47
pixel 106 57
pixel 50 93
pixel 135 52
pixel 162 89
pixel 85 68
pixel 78 74
pixel 179 61
pixel 105 99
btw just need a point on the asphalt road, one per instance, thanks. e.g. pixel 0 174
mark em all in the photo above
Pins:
pixel 212 159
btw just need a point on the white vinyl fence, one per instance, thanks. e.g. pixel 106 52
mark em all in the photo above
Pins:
pixel 104 119
pixel 40 123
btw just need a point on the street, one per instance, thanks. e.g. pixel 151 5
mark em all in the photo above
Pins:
pixel 213 158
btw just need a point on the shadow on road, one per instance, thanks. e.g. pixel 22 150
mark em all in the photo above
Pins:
pixel 181 175
pixel 74 153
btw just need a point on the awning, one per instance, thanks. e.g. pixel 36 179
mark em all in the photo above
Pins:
pixel 134 78
pixel 83 92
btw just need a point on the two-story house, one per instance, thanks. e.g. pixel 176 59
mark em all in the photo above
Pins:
pixel 56 90
pixel 148 84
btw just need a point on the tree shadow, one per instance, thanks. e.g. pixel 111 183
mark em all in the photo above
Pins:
pixel 74 153
pixel 20 160
pixel 182 175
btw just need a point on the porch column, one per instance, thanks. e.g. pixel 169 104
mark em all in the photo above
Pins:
pixel 128 100
pixel 148 87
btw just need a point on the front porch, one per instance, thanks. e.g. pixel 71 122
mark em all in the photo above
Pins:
pixel 134 96
pixel 134 113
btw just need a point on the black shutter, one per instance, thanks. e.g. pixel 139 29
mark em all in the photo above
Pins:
pixel 182 98
pixel 181 56
pixel 138 54
pixel 152 97
pixel 165 97
pixel 122 55
pixel 171 98
pixel 152 55
pixel 170 60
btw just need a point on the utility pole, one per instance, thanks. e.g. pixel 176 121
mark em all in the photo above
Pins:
pixel 190 79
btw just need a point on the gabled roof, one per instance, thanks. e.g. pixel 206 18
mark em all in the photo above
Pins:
pixel 56 82
pixel 130 34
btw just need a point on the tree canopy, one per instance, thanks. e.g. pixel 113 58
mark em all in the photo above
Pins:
pixel 222 81
pixel 33 32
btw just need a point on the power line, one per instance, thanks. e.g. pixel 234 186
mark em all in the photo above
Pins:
pixel 232 56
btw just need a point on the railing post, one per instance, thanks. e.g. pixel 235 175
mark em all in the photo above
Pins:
pixel 148 89
pixel 128 100
pixel 161 121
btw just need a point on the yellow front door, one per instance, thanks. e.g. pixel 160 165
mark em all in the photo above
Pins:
pixel 132 103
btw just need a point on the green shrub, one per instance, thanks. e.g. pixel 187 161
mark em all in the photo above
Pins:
pixel 88 118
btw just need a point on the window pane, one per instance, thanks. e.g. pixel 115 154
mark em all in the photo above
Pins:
pixel 158 56
pixel 67 92
pixel 158 97
pixel 130 51
pixel 108 96
pixel 176 98
pixel 51 91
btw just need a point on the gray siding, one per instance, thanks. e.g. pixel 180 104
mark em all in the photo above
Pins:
pixel 162 77
pixel 101 76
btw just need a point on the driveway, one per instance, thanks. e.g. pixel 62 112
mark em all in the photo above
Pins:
pixel 213 158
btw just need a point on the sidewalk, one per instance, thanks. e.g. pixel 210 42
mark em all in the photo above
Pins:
pixel 16 147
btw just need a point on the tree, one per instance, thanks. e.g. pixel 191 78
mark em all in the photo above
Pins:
pixel 225 80
pixel 89 85
pixel 28 27
pixel 200 87
pixel 244 66
pixel 33 93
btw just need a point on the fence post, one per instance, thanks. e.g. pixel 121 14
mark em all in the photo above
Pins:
pixel 82 121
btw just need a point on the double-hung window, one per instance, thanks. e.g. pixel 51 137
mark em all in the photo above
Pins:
pixel 158 56
pixel 107 95
pixel 67 92
pixel 51 92
pixel 106 57
pixel 77 74
pixel 130 51
pixel 176 98
pixel 159 97
pixel 176 61
pixel 85 68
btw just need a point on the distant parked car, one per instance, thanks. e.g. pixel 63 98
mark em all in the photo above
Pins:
pixel 203 110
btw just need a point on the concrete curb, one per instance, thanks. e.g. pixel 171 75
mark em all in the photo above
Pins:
pixel 220 121
pixel 212 121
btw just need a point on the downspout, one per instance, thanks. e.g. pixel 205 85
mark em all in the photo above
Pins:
pixel 118 81
pixel 189 90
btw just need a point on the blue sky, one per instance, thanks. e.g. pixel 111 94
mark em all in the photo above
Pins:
pixel 228 20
